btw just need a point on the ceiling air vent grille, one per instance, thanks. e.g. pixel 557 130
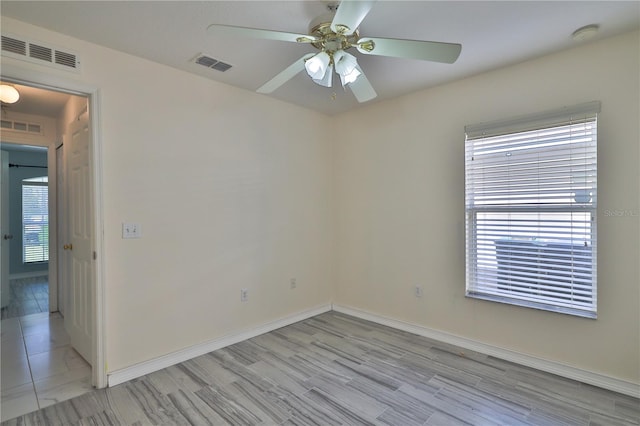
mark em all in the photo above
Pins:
pixel 13 45
pixel 209 62
pixel 39 53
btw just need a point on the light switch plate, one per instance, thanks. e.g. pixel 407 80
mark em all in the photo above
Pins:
pixel 131 230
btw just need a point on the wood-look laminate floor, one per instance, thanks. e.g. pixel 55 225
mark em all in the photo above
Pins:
pixel 334 369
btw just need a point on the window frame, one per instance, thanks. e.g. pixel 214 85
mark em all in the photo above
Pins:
pixel 43 257
pixel 528 251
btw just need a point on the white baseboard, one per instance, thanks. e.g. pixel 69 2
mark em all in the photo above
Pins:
pixel 147 367
pixel 596 379
pixel 35 274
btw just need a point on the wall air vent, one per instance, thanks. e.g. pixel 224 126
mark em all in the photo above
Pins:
pixel 21 126
pixel 13 45
pixel 65 59
pixel 209 62
pixel 39 53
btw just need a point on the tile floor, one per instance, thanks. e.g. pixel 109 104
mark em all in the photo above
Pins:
pixel 38 365
pixel 28 296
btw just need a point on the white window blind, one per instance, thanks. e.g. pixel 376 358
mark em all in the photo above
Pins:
pixel 531 199
pixel 35 220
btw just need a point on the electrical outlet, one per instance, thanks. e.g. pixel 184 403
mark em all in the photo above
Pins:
pixel 292 283
pixel 244 295
pixel 417 291
pixel 131 230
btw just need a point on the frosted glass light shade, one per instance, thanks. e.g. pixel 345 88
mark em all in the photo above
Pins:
pixel 327 79
pixel 350 78
pixel 345 62
pixel 317 65
pixel 9 94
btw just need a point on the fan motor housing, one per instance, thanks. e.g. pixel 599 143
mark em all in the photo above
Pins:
pixel 329 40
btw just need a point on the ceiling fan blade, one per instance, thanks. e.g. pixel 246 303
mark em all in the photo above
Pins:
pixel 286 75
pixel 361 88
pixel 350 14
pixel 231 31
pixel 411 49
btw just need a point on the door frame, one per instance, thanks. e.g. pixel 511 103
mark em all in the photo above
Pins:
pixel 44 80
pixel 4 207
pixel 61 228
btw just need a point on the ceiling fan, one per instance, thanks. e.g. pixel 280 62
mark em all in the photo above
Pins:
pixel 333 35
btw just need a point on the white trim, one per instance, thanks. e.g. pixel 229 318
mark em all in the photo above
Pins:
pixel 95 124
pixel 54 187
pixel 147 367
pixel 596 379
pixel 22 275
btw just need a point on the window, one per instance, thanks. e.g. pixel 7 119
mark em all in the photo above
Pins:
pixel 35 220
pixel 530 186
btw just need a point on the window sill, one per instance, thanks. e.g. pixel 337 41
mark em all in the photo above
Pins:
pixel 533 305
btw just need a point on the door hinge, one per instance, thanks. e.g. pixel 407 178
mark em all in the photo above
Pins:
pixel 95 255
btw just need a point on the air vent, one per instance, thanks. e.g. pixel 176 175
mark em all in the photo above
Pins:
pixel 21 126
pixel 209 62
pixel 65 59
pixel 13 45
pixel 39 53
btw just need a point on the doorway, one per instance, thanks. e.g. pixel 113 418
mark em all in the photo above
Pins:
pixel 39 365
pixel 25 230
pixel 85 100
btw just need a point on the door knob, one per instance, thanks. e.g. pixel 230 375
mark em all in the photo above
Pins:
pixel 7 236
pixel 68 246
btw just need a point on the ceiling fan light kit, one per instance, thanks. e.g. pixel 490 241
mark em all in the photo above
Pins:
pixel 332 35
pixel 327 79
pixel 345 65
pixel 349 78
pixel 320 67
pixel 317 65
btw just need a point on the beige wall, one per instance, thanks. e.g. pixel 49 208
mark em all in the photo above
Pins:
pixel 49 129
pixel 231 188
pixel 230 195
pixel 225 194
pixel 400 207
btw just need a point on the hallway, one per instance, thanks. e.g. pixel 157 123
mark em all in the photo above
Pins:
pixel 28 296
pixel 39 366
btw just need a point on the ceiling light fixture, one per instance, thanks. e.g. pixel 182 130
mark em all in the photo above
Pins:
pixel 345 64
pixel 320 67
pixel 349 78
pixel 317 65
pixel 586 32
pixel 8 94
pixel 326 79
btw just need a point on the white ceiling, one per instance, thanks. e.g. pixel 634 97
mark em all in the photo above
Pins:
pixel 492 33
pixel 37 101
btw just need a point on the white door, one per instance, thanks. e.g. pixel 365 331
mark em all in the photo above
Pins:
pixel 80 289
pixel 4 233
